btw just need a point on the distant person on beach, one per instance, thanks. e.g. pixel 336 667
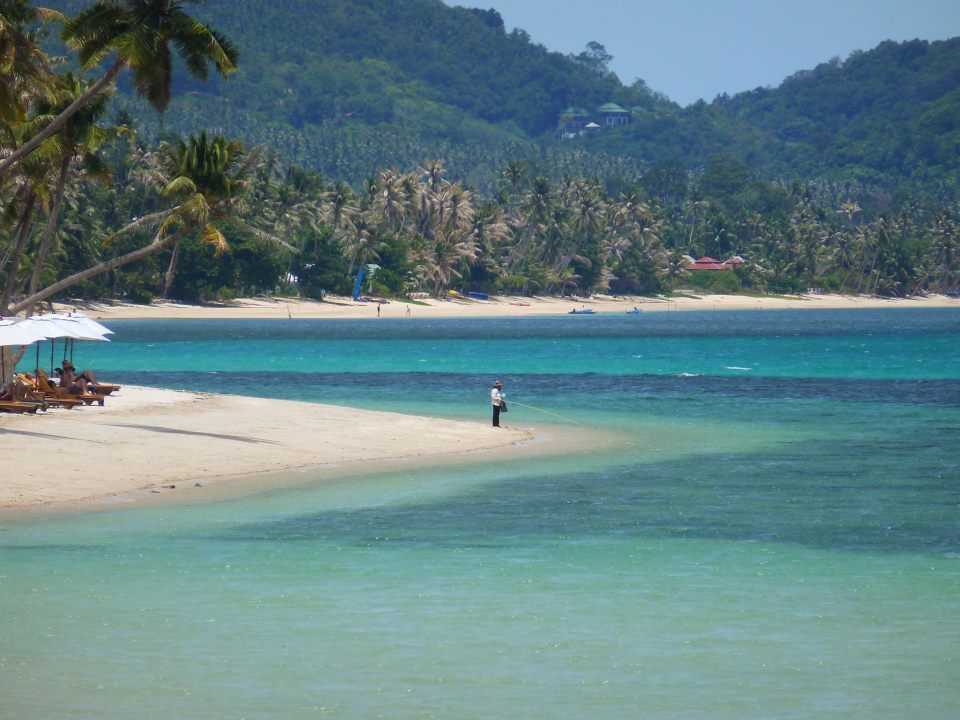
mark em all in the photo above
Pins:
pixel 499 404
pixel 378 309
pixel 408 311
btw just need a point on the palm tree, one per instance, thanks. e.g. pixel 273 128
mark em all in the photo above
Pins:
pixel 530 219
pixel 213 176
pixel 33 191
pixel 693 206
pixel 77 142
pixel 391 199
pixel 26 74
pixel 563 279
pixel 490 230
pixel 140 34
pixel 441 261
pixel 209 179
pixel 433 172
pixel 514 174
pixel 361 242
pixel 945 251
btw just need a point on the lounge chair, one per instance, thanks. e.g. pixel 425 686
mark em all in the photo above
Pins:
pixel 103 388
pixel 57 393
pixel 95 386
pixel 33 394
pixel 14 406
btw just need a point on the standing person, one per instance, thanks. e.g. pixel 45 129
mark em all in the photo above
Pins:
pixel 496 398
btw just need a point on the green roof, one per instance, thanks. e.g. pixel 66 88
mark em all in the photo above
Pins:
pixel 611 108
pixel 575 112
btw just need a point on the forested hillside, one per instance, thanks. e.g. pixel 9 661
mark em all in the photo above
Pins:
pixel 435 134
pixel 349 87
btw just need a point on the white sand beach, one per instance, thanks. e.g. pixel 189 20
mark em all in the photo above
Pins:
pixel 341 307
pixel 145 440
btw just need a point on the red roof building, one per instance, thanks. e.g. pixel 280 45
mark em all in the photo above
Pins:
pixel 707 263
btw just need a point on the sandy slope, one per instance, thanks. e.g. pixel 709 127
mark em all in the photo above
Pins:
pixel 146 438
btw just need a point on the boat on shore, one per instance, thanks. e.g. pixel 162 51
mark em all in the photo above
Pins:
pixel 582 311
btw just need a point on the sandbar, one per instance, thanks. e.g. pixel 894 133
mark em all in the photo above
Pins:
pixel 154 441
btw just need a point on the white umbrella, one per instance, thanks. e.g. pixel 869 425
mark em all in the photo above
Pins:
pixel 59 326
pixel 88 323
pixel 15 332
pixel 18 332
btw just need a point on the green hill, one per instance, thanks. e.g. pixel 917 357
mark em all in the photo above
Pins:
pixel 351 87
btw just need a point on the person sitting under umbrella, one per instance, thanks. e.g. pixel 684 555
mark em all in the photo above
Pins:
pixel 69 381
pixel 83 379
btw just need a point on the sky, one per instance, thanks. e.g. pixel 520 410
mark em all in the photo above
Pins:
pixel 691 49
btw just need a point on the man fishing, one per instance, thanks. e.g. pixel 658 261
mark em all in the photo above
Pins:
pixel 499 404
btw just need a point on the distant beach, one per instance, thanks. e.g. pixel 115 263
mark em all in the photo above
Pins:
pixel 519 306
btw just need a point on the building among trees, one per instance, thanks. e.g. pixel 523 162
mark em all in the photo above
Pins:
pixel 575 121
pixel 612 115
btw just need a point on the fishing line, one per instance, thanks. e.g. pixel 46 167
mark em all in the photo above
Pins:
pixel 548 412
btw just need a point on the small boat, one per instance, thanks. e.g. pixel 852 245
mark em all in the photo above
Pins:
pixel 582 311
pixel 478 296
pixel 635 311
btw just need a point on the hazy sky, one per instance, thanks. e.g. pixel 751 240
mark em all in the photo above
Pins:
pixel 690 49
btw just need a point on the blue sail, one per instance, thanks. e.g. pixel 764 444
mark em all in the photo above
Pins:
pixel 356 287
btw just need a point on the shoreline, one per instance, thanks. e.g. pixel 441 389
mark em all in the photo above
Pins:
pixel 146 445
pixel 146 442
pixel 507 306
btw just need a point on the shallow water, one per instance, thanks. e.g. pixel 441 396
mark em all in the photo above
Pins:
pixel 778 535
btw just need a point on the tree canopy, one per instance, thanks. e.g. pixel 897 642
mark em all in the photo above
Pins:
pixel 842 179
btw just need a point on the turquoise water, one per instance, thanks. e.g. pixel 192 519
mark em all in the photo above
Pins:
pixel 777 534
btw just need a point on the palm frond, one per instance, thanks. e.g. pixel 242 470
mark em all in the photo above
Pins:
pixel 139 223
pixel 180 185
pixel 213 237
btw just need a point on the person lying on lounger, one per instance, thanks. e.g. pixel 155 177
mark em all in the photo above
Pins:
pixel 73 384
pixel 87 375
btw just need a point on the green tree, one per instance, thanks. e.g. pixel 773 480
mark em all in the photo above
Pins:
pixel 208 179
pixel 141 34
pixel 76 146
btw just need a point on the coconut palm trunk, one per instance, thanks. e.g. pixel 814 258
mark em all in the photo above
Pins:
pixel 53 222
pixel 13 265
pixel 58 122
pixel 106 266
pixel 171 271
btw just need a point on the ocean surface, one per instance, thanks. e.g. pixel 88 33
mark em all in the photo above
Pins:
pixel 775 532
